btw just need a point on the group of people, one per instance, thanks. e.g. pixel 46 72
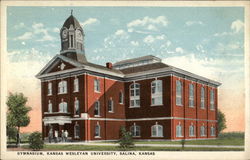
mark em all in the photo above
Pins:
pixel 63 138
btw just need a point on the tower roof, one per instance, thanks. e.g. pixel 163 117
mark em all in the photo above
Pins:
pixel 72 20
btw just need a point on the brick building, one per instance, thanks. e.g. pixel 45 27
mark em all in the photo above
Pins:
pixel 151 99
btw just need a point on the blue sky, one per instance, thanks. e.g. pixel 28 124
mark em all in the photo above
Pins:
pixel 208 41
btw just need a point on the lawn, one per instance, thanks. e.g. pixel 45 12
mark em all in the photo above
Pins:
pixel 116 148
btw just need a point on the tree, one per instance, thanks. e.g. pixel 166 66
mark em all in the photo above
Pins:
pixel 221 121
pixel 35 141
pixel 126 140
pixel 17 113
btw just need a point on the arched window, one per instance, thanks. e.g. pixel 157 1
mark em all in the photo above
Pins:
pixel 76 106
pixel 76 85
pixel 212 99
pixel 63 107
pixel 110 105
pixel 121 97
pixel 179 130
pixel 156 92
pixel 97 108
pixel 97 85
pixel 157 130
pixel 134 95
pixel 191 130
pixel 203 130
pixel 202 98
pixel 212 131
pixel 62 87
pixel 50 107
pixel 77 130
pixel 49 88
pixel 135 130
pixel 191 95
pixel 178 93
pixel 97 130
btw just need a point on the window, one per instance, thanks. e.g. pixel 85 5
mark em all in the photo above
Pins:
pixel 157 130
pixel 135 130
pixel 191 130
pixel 50 107
pixel 212 131
pixel 202 98
pixel 178 93
pixel 62 87
pixel 110 105
pixel 191 95
pixel 76 85
pixel 71 41
pixel 156 92
pixel 211 99
pixel 63 107
pixel 179 130
pixel 203 130
pixel 77 130
pixel 97 85
pixel 135 95
pixel 49 88
pixel 121 97
pixel 76 106
pixel 97 130
pixel 97 108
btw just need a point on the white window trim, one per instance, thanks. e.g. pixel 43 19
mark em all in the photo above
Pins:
pixel 177 135
pixel 193 131
pixel 203 135
pixel 191 96
pixel 122 97
pixel 97 85
pixel 212 103
pixel 202 98
pixel 99 130
pixel 62 86
pixel 99 109
pixel 157 94
pixel 50 104
pixel 75 102
pixel 177 95
pixel 112 105
pixel 63 107
pixel 214 132
pixel 133 127
pixel 134 98
pixel 76 136
pixel 157 130
pixel 50 89
pixel 76 89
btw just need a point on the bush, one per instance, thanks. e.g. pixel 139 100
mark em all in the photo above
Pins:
pixel 35 141
pixel 232 135
pixel 126 140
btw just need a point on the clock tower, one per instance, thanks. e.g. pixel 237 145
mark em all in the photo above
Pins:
pixel 72 40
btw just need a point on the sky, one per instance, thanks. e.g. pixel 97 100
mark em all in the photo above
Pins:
pixel 208 41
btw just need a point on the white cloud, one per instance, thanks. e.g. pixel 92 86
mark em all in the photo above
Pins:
pixel 20 25
pixel 89 21
pixel 152 27
pixel 190 23
pixel 200 48
pixel 149 39
pixel 134 43
pixel 120 32
pixel 161 37
pixel 25 36
pixel 55 29
pixel 23 43
pixel 146 20
pixel 179 50
pixel 237 26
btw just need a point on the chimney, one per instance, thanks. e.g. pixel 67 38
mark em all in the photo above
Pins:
pixel 109 65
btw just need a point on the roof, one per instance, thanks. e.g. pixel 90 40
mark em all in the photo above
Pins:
pixel 72 20
pixel 134 60
pixel 142 68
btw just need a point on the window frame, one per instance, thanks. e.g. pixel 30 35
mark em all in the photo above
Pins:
pixel 191 96
pixel 50 88
pixel 135 129
pixel 158 92
pixel 135 98
pixel 179 95
pixel 62 87
pixel 157 127
pixel 191 130
pixel 212 99
pixel 203 131
pixel 121 97
pixel 64 107
pixel 97 86
pixel 99 131
pixel 50 105
pixel 76 103
pixel 76 131
pixel 111 105
pixel 202 98
pixel 212 131
pixel 179 130
pixel 76 85
pixel 98 109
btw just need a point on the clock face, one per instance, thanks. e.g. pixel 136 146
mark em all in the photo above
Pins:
pixel 64 33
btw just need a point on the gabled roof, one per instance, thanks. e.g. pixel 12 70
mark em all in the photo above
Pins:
pixel 134 60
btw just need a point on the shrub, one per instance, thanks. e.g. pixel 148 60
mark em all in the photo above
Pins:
pixel 232 135
pixel 35 141
pixel 126 140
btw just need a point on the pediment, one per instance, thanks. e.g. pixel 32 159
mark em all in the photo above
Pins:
pixel 59 63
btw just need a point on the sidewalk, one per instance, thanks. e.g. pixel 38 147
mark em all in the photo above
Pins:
pixel 149 145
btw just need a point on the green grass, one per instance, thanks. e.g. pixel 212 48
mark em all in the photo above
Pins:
pixel 115 148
